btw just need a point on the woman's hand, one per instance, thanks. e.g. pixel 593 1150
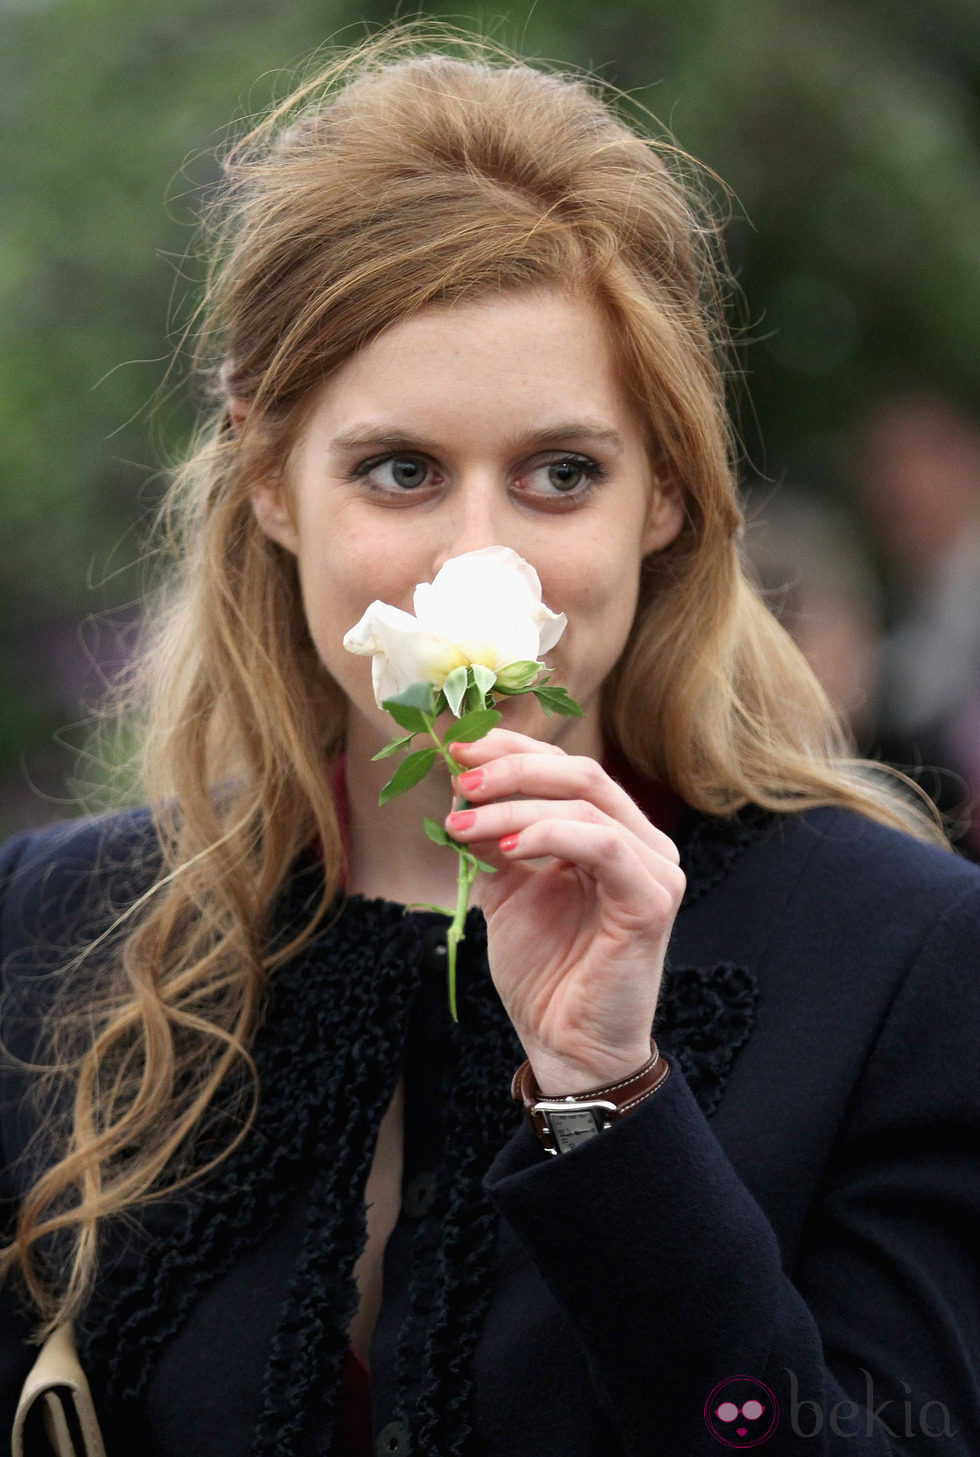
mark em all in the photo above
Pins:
pixel 580 910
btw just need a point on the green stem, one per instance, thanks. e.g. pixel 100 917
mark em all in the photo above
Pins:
pixel 450 762
pixel 464 878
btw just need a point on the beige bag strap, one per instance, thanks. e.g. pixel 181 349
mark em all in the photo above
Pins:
pixel 57 1399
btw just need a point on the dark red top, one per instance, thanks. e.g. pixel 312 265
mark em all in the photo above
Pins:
pixel 354 1421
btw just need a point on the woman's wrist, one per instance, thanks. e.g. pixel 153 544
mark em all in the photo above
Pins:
pixel 564 1121
pixel 559 1077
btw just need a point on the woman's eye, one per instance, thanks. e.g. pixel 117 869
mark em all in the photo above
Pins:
pixel 396 473
pixel 566 475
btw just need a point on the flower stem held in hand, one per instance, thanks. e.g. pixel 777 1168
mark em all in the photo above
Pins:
pixel 475 629
pixel 417 710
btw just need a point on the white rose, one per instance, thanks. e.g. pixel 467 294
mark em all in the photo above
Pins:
pixel 483 609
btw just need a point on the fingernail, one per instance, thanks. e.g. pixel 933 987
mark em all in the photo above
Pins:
pixel 472 779
pixel 461 819
pixel 509 842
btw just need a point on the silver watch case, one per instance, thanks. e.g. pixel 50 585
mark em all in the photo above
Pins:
pixel 570 1123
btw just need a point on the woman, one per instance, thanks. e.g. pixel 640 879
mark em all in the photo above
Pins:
pixel 459 304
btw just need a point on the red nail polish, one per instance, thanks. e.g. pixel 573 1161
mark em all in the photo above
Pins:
pixel 461 819
pixel 509 842
pixel 472 779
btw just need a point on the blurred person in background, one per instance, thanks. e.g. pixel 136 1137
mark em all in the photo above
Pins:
pixel 917 466
pixel 815 574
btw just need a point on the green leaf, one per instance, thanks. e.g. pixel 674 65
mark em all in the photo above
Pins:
pixel 482 677
pixel 472 726
pixel 556 700
pixel 406 716
pixel 454 689
pixel 392 748
pixel 436 832
pixel 417 695
pixel 408 774
pixel 480 864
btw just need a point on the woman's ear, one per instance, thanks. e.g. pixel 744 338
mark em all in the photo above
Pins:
pixel 268 502
pixel 274 517
pixel 665 513
pixel 237 413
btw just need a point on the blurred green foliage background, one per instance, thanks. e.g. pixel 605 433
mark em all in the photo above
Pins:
pixel 847 130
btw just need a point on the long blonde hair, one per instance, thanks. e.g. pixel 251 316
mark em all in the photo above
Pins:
pixel 394 179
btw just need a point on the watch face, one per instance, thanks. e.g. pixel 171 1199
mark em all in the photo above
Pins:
pixel 572 1127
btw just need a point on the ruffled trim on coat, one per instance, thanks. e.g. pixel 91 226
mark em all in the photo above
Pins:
pixel 351 989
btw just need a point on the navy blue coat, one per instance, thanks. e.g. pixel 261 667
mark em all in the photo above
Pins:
pixel 780 1249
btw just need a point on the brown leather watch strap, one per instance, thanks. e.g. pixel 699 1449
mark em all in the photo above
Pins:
pixel 562 1122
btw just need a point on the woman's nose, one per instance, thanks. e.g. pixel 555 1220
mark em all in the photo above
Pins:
pixel 473 521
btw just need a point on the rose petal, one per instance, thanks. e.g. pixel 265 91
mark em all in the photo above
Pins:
pixel 363 636
pixel 483 608
pixel 489 602
pixel 403 653
pixel 551 626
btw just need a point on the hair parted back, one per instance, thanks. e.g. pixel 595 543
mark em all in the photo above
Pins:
pixel 397 178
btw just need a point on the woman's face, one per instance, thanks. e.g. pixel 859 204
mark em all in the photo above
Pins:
pixel 500 422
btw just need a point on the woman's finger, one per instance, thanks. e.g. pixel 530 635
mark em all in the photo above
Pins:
pixel 560 777
pixel 610 858
pixel 500 741
pixel 486 824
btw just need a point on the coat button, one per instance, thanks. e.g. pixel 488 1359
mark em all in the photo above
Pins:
pixel 418 1194
pixel 434 954
pixel 394 1441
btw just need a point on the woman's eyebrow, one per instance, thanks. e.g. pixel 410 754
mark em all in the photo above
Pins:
pixel 358 437
pixel 367 436
pixel 573 430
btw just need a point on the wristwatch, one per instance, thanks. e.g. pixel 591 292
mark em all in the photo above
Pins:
pixel 563 1123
